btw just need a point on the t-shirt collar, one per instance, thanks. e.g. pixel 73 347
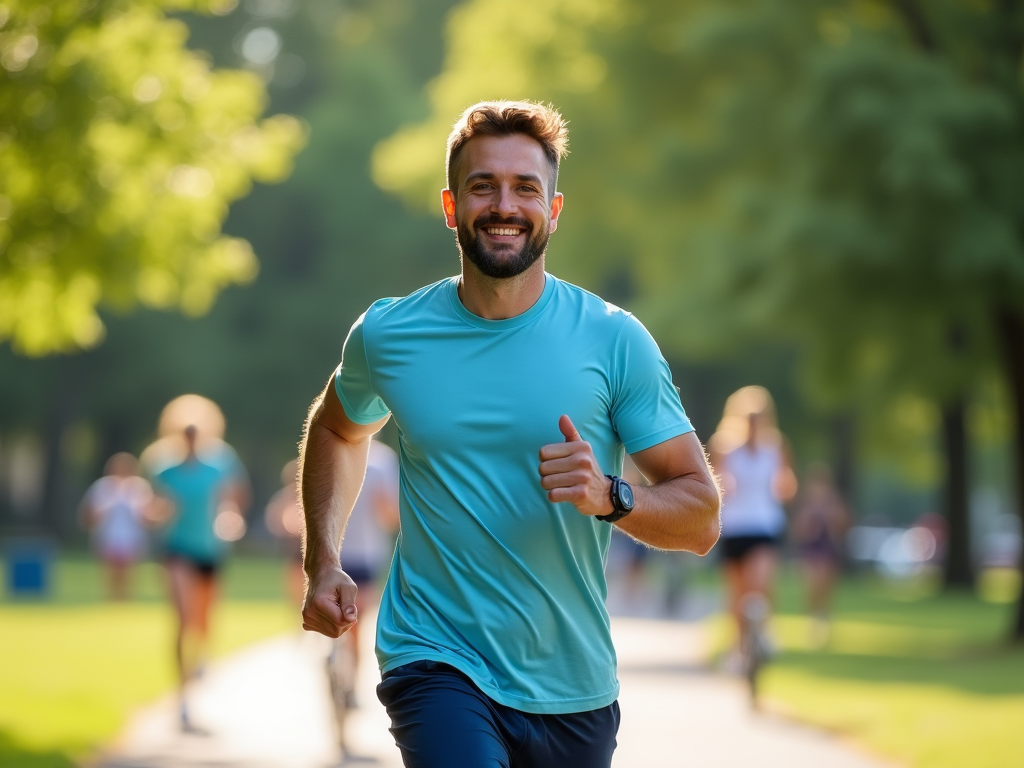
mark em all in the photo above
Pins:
pixel 500 325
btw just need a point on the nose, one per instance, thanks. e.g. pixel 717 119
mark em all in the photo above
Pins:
pixel 504 203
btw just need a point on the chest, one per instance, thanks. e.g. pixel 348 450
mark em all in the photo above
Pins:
pixel 478 391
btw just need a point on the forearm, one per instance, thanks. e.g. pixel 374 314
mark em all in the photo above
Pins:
pixel 331 471
pixel 678 514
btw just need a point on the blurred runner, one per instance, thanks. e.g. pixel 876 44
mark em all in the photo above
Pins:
pixel 365 553
pixel 284 520
pixel 115 509
pixel 205 494
pixel 819 525
pixel 752 460
pixel 367 549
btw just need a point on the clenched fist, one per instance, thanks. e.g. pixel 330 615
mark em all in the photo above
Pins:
pixel 569 472
pixel 329 607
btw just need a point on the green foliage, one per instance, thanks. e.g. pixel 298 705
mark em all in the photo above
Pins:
pixel 807 170
pixel 120 151
pixel 329 241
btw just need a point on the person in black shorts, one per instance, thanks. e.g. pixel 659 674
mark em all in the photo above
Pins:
pixel 203 491
pixel 752 460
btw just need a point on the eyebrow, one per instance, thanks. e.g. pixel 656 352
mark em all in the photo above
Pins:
pixel 488 175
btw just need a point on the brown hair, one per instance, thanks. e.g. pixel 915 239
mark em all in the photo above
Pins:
pixel 505 118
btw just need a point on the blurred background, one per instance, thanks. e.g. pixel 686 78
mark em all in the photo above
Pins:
pixel 821 197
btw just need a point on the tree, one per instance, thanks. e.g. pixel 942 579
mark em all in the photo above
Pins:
pixel 120 151
pixel 846 174
pixel 329 243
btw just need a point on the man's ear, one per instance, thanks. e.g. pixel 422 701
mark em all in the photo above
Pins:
pixel 448 206
pixel 556 209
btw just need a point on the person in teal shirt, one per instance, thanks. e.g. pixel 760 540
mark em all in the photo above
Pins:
pixel 196 490
pixel 515 395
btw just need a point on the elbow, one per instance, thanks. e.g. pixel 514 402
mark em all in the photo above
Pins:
pixel 712 528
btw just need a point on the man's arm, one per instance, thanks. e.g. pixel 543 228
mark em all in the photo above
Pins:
pixel 332 464
pixel 679 510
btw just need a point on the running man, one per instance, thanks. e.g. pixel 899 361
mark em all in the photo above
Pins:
pixel 515 395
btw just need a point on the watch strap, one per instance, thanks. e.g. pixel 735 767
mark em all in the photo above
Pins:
pixel 618 511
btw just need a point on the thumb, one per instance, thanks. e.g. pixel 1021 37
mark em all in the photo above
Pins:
pixel 567 429
pixel 350 613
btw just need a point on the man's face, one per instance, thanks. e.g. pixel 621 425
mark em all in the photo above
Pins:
pixel 502 205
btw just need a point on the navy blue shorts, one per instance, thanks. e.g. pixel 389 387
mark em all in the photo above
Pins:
pixel 440 719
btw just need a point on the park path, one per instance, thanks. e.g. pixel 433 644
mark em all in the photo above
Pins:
pixel 268 707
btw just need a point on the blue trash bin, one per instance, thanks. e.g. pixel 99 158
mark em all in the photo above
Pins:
pixel 28 567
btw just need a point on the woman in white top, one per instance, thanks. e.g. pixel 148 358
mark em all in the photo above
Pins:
pixel 115 509
pixel 752 460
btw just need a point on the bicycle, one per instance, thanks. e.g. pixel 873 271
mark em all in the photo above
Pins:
pixel 754 647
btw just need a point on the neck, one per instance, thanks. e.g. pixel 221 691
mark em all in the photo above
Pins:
pixel 500 298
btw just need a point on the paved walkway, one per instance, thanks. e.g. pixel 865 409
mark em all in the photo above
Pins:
pixel 268 707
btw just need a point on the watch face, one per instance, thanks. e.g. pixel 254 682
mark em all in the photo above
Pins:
pixel 626 495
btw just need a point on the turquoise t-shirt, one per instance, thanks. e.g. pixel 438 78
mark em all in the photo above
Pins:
pixel 488 575
pixel 195 487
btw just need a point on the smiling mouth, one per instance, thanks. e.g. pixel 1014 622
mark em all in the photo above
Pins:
pixel 503 231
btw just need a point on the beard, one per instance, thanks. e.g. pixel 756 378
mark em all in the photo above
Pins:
pixel 501 263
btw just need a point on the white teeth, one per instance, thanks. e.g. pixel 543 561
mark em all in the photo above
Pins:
pixel 502 231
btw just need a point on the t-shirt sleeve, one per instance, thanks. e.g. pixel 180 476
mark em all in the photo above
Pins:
pixel 646 409
pixel 352 379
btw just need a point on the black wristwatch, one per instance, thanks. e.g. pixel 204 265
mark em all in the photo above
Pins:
pixel 622 500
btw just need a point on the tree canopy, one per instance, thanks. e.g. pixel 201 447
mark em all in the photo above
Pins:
pixel 804 168
pixel 120 152
pixel 846 174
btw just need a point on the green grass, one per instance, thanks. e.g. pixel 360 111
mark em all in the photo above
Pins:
pixel 73 668
pixel 920 677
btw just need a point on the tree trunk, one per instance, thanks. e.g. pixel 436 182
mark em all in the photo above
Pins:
pixel 54 474
pixel 1011 336
pixel 56 516
pixel 844 446
pixel 959 572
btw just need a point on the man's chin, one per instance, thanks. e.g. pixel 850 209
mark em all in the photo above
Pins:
pixel 501 266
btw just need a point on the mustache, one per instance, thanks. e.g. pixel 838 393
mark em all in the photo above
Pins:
pixel 493 220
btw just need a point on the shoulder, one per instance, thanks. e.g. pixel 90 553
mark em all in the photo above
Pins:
pixel 590 308
pixel 167 475
pixel 595 309
pixel 393 311
pixel 568 294
pixel 101 485
pixel 99 489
